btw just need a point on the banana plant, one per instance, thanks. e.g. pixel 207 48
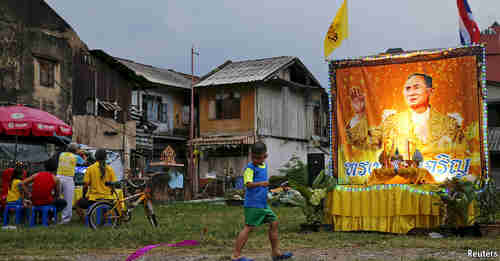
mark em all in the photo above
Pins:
pixel 312 197
pixel 456 195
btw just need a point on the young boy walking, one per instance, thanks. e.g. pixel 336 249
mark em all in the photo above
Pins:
pixel 256 210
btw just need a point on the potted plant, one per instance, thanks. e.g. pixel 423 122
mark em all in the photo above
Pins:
pixel 456 196
pixel 488 206
pixel 312 200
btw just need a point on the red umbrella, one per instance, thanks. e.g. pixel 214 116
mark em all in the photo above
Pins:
pixel 20 120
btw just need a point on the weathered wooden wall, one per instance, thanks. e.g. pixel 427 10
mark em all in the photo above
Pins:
pixel 282 112
pixel 243 126
pixel 97 75
pixel 281 151
pixel 90 130
pixel 287 112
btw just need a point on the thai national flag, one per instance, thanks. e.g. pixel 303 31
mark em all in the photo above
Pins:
pixel 469 31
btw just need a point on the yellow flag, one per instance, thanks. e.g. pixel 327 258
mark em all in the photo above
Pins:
pixel 338 30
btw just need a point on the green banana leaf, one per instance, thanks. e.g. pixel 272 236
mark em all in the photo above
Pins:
pixel 319 180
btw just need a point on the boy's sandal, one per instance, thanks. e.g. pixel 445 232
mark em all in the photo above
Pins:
pixel 286 255
pixel 242 258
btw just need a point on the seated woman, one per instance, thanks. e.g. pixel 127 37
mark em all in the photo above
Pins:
pixel 96 176
pixel 6 182
pixel 14 195
pixel 46 187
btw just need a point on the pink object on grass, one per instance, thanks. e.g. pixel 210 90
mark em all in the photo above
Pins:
pixel 145 249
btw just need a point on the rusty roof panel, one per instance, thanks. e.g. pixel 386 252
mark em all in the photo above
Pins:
pixel 157 75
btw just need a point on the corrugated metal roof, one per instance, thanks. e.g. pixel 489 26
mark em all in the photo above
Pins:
pixel 246 71
pixel 157 75
pixel 187 76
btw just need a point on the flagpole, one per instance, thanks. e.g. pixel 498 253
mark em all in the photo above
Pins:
pixel 194 180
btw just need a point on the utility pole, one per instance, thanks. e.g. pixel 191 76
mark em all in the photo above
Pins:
pixel 192 177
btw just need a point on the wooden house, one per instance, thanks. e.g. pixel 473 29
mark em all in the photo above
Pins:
pixel 164 102
pixel 140 109
pixel 275 100
pixel 101 101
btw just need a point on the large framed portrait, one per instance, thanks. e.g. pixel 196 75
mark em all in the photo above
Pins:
pixel 425 105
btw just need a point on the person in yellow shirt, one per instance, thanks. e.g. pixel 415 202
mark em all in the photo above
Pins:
pixel 96 176
pixel 67 162
pixel 14 196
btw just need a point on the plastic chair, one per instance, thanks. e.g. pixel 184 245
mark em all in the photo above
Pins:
pixel 44 210
pixel 19 209
pixel 100 212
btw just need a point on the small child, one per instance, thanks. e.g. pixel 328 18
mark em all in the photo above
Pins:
pixel 14 196
pixel 256 210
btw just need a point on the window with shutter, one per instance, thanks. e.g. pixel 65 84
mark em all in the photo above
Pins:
pixel 211 110
pixel 186 115
pixel 317 121
pixel 155 109
pixel 235 106
pixel 219 112
pixel 149 110
pixel 135 98
pixel 7 78
pixel 90 106
pixel 164 110
pixel 227 105
pixel 46 72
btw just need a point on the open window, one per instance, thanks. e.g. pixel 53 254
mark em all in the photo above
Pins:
pixel 90 106
pixel 46 72
pixel 155 109
pixel 317 121
pixel 226 105
pixel 7 78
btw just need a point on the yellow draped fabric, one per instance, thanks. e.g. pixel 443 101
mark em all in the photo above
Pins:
pixel 393 209
pixel 79 190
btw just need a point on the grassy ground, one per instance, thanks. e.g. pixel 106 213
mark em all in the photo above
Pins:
pixel 187 221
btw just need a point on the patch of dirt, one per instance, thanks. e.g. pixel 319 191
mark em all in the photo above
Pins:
pixel 336 254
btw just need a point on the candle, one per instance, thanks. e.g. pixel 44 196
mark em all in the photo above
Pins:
pixel 409 149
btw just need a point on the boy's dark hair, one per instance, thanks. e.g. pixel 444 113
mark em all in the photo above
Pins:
pixel 51 164
pixel 259 148
pixel 100 154
pixel 18 171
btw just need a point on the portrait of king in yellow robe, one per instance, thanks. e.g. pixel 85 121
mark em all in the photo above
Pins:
pixel 420 127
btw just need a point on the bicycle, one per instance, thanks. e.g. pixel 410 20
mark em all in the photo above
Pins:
pixel 113 212
pixel 204 186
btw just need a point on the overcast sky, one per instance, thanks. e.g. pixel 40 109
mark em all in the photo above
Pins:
pixel 161 32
